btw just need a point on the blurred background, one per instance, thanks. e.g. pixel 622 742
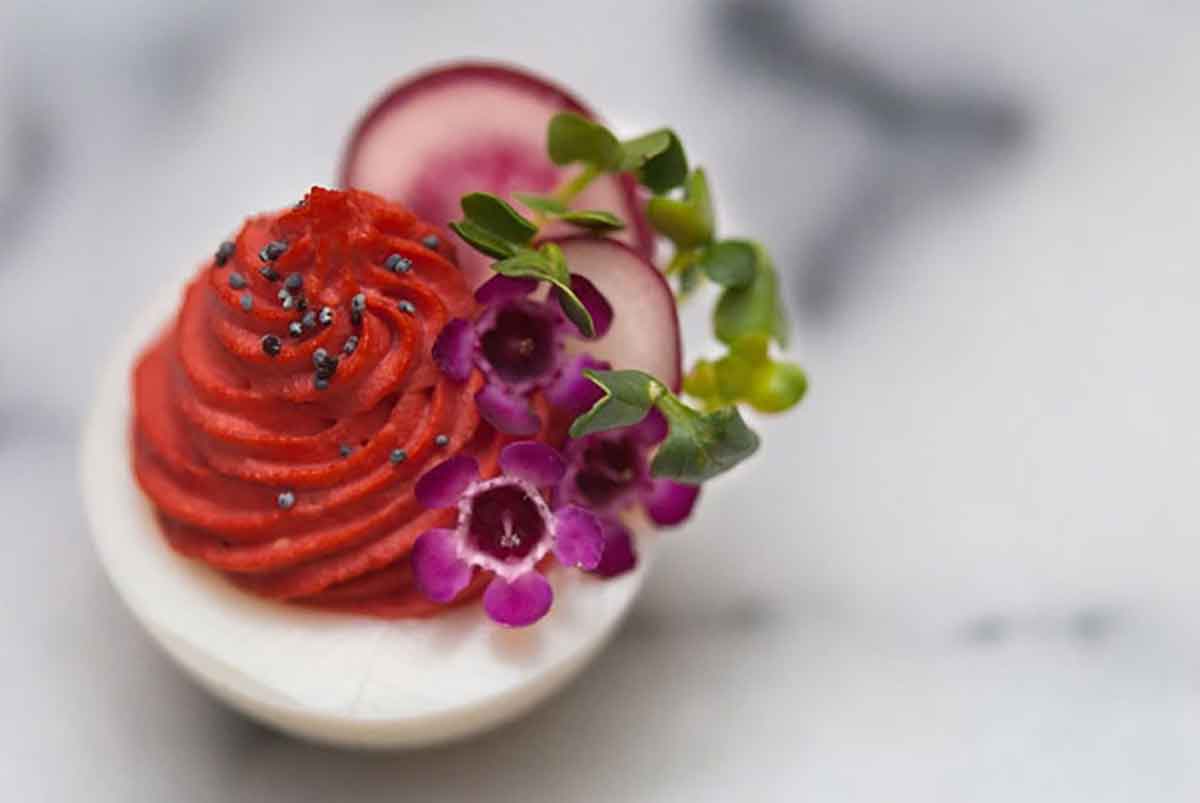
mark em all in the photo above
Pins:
pixel 963 570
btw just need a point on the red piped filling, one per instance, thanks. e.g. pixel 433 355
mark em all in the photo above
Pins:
pixel 225 426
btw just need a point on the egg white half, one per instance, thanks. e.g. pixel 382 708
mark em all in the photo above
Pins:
pixel 333 678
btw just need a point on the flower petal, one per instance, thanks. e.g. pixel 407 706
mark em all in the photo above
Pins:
pixel 454 348
pixel 536 463
pixel 618 556
pixel 502 288
pixel 651 429
pixel 670 502
pixel 506 412
pixel 573 391
pixel 439 573
pixel 595 303
pixel 520 602
pixel 444 483
pixel 578 540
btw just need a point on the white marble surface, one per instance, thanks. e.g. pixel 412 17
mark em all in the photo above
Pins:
pixel 964 571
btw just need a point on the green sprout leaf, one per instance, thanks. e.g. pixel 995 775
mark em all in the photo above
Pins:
pixel 701 383
pixel 699 446
pixel 492 226
pixel 688 223
pixel 548 264
pixel 593 219
pixel 695 190
pixel 495 228
pixel 733 376
pixel 571 138
pixel 689 280
pixel 752 348
pixel 667 170
pixel 570 304
pixel 525 264
pixel 639 150
pixel 658 159
pixel 747 374
pixel 679 222
pixel 483 240
pixel 628 397
pixel 561 277
pixel 545 204
pixel 754 308
pixel 776 386
pixel 575 311
pixel 729 263
pixel 496 215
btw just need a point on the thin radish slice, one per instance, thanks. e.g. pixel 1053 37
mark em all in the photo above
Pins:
pixel 645 326
pixel 474 127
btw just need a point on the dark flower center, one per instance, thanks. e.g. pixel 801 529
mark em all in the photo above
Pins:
pixel 520 345
pixel 607 470
pixel 505 522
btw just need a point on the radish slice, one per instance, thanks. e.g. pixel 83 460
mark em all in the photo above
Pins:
pixel 474 127
pixel 645 325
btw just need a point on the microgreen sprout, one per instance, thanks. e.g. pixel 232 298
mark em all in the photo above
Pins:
pixel 748 316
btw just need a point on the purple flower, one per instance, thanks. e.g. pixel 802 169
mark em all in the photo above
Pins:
pixel 520 343
pixel 608 472
pixel 504 526
pixel 517 342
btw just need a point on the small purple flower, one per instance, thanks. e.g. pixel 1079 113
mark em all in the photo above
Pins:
pixel 520 343
pixel 517 342
pixel 505 527
pixel 609 472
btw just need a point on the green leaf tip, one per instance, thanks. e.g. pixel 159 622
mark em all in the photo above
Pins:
pixel 730 263
pixel 686 222
pixel 493 213
pixel 573 138
pixel 628 397
pixel 747 373
pixel 776 387
pixel 657 158
pixel 698 446
pixel 546 204
pixel 548 264
pixel 483 240
pixel 592 219
pixel 754 308
pixel 597 220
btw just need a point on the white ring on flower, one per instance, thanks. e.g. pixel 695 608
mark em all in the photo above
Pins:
pixel 509 570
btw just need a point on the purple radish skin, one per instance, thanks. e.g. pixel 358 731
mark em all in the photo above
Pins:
pixel 476 127
pixel 644 333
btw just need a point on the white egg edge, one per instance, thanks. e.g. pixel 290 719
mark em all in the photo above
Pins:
pixel 331 678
